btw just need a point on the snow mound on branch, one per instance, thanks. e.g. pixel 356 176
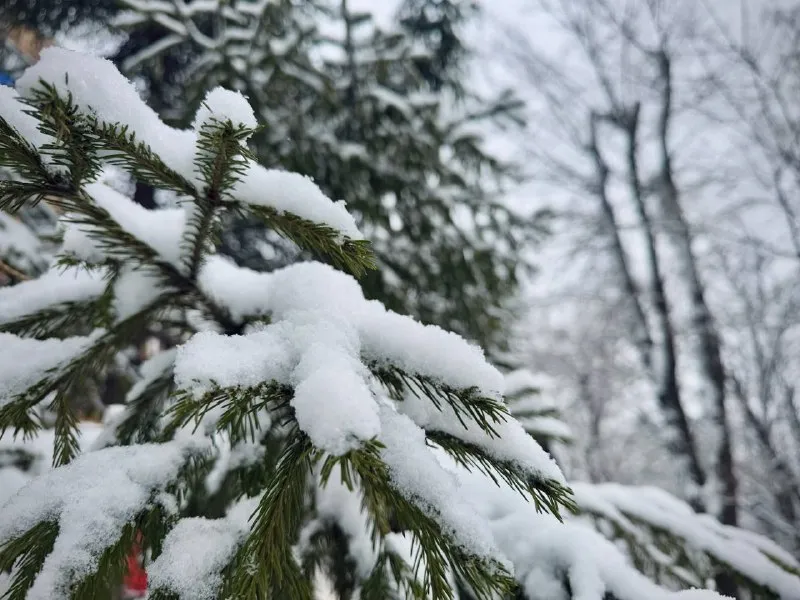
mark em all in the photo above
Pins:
pixel 98 88
pixel 196 551
pixel 327 338
pixel 241 290
pixel 293 193
pixel 745 552
pixel 39 450
pixel 24 362
pixel 332 399
pixel 210 358
pixel 386 337
pixel 91 499
pixel 321 344
pixel 160 229
pixel 134 290
pixel 543 550
pixel 55 287
pixel 223 105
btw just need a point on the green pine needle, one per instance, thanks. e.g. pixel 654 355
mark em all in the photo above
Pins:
pixel 25 554
pixel 265 566
pixel 354 256
pixel 467 404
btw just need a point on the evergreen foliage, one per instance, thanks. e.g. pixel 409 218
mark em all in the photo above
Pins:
pixel 293 372
pixel 291 427
pixel 49 16
pixel 355 108
pixel 437 24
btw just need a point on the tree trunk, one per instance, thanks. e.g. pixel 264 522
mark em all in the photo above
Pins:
pixel 709 347
pixel 668 391
pixel 681 438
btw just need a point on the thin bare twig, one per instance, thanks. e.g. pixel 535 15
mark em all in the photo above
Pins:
pixel 12 272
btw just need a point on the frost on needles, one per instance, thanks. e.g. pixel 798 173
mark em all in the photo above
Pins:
pixel 294 372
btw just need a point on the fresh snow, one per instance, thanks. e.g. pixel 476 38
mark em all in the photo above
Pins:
pixel 91 499
pixel 222 105
pixel 332 400
pixel 51 289
pixel 152 369
pixel 321 337
pixel 416 473
pixel 210 358
pixel 98 88
pixel 427 350
pixel 243 291
pixel 19 245
pixel 11 479
pixel 24 362
pixel 160 229
pixel 13 110
pixel 386 337
pixel 135 290
pixel 40 451
pixel 196 551
pixel 542 549
pixel 511 442
pixel 293 193
pixel 320 344
pixel 746 553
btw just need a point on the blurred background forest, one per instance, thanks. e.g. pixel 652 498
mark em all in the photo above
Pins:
pixel 604 192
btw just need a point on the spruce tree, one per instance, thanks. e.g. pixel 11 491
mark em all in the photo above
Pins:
pixel 352 107
pixel 279 384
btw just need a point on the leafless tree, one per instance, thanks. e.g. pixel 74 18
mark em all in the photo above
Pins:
pixel 606 132
pixel 763 327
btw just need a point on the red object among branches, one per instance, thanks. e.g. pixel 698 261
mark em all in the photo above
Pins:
pixel 135 582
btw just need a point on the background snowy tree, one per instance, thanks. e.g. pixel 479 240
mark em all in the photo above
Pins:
pixel 616 287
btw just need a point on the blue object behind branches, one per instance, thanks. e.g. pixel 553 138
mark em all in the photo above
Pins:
pixel 6 79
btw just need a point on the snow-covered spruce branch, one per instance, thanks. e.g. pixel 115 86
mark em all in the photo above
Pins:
pixel 297 355
pixel 662 536
pixel 672 544
pixel 348 103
